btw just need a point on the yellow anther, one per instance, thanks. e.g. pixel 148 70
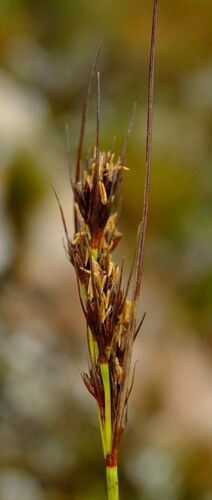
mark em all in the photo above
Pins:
pixel 102 192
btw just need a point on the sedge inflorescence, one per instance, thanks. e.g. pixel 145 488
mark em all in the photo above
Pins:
pixel 105 303
pixel 103 298
pixel 111 318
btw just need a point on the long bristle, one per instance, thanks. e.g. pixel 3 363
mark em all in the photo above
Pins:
pixel 142 233
pixel 84 114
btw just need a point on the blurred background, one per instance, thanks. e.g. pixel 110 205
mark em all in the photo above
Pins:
pixel 50 446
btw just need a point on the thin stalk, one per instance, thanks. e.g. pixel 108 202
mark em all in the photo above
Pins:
pixel 112 482
pixel 111 470
pixel 104 368
pixel 93 349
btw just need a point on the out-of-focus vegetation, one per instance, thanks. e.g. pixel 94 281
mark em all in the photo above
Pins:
pixel 48 430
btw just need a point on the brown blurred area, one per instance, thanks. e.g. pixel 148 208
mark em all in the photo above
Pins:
pixel 49 438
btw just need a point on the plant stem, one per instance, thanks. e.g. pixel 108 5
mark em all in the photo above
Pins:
pixel 111 470
pixel 107 394
pixel 112 482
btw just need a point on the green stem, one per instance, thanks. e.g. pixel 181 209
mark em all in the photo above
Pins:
pixel 93 349
pixel 105 421
pixel 112 482
pixel 111 470
pixel 107 394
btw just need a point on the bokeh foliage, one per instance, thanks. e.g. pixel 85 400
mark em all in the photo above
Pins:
pixel 50 444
